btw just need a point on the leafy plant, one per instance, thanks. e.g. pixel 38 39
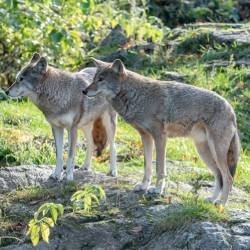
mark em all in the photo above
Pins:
pixel 44 219
pixel 85 200
pixel 66 32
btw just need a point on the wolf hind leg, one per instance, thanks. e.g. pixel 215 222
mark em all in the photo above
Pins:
pixel 205 154
pixel 219 147
pixel 109 121
pixel 90 146
pixel 72 135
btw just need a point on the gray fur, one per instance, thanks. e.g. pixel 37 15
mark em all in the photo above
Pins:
pixel 161 109
pixel 58 94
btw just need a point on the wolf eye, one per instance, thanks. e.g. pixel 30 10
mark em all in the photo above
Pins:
pixel 21 78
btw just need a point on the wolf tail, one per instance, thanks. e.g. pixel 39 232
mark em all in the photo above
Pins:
pixel 99 134
pixel 233 153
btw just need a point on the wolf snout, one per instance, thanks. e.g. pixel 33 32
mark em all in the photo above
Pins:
pixel 7 92
pixel 85 92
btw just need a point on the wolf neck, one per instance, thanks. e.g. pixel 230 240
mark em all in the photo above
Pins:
pixel 131 96
pixel 53 91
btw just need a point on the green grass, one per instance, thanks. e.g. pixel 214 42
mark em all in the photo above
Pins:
pixel 189 212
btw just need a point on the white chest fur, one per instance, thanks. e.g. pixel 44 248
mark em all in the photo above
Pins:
pixel 64 120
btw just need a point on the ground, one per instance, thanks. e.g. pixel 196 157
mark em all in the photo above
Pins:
pixel 126 220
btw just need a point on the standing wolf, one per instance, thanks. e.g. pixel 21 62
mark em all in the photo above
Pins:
pixel 58 94
pixel 161 109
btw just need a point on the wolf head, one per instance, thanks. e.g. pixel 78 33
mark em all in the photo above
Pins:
pixel 108 79
pixel 29 77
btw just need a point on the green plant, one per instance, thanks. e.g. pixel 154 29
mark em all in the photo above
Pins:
pixel 44 219
pixel 67 32
pixel 85 200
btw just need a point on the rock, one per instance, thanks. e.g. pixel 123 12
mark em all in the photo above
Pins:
pixel 174 76
pixel 241 37
pixel 241 243
pixel 222 64
pixel 242 229
pixel 214 25
pixel 3 96
pixel 135 223
pixel 239 216
pixel 116 37
pixel 23 176
pixel 200 235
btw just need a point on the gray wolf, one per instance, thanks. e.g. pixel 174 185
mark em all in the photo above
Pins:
pixel 164 109
pixel 58 94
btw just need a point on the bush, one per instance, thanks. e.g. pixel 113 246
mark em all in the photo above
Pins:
pixel 66 31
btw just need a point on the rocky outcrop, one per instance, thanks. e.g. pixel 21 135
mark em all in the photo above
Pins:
pixel 241 37
pixel 126 221
pixel 18 177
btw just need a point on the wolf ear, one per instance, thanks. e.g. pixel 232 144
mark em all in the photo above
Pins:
pixel 41 66
pixel 100 64
pixel 118 67
pixel 35 57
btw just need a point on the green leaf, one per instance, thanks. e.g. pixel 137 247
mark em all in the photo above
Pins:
pixel 34 234
pixel 45 232
pixel 60 209
pixel 49 221
pixel 56 36
pixel 54 213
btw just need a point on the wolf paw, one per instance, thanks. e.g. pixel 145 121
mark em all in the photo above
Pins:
pixel 112 173
pixel 141 187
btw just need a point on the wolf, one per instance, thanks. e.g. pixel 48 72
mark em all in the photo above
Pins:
pixel 58 94
pixel 165 109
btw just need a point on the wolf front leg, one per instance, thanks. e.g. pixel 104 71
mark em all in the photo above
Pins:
pixel 147 141
pixel 72 135
pixel 58 137
pixel 160 145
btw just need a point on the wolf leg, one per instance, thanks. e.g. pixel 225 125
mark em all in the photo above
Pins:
pixel 147 141
pixel 219 148
pixel 109 122
pixel 90 146
pixel 58 137
pixel 160 145
pixel 72 135
pixel 205 154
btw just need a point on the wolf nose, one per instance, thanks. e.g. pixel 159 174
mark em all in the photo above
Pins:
pixel 7 92
pixel 85 92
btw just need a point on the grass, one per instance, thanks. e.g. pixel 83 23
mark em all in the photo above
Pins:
pixel 189 212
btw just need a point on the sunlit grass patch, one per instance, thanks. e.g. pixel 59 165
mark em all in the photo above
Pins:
pixel 191 211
